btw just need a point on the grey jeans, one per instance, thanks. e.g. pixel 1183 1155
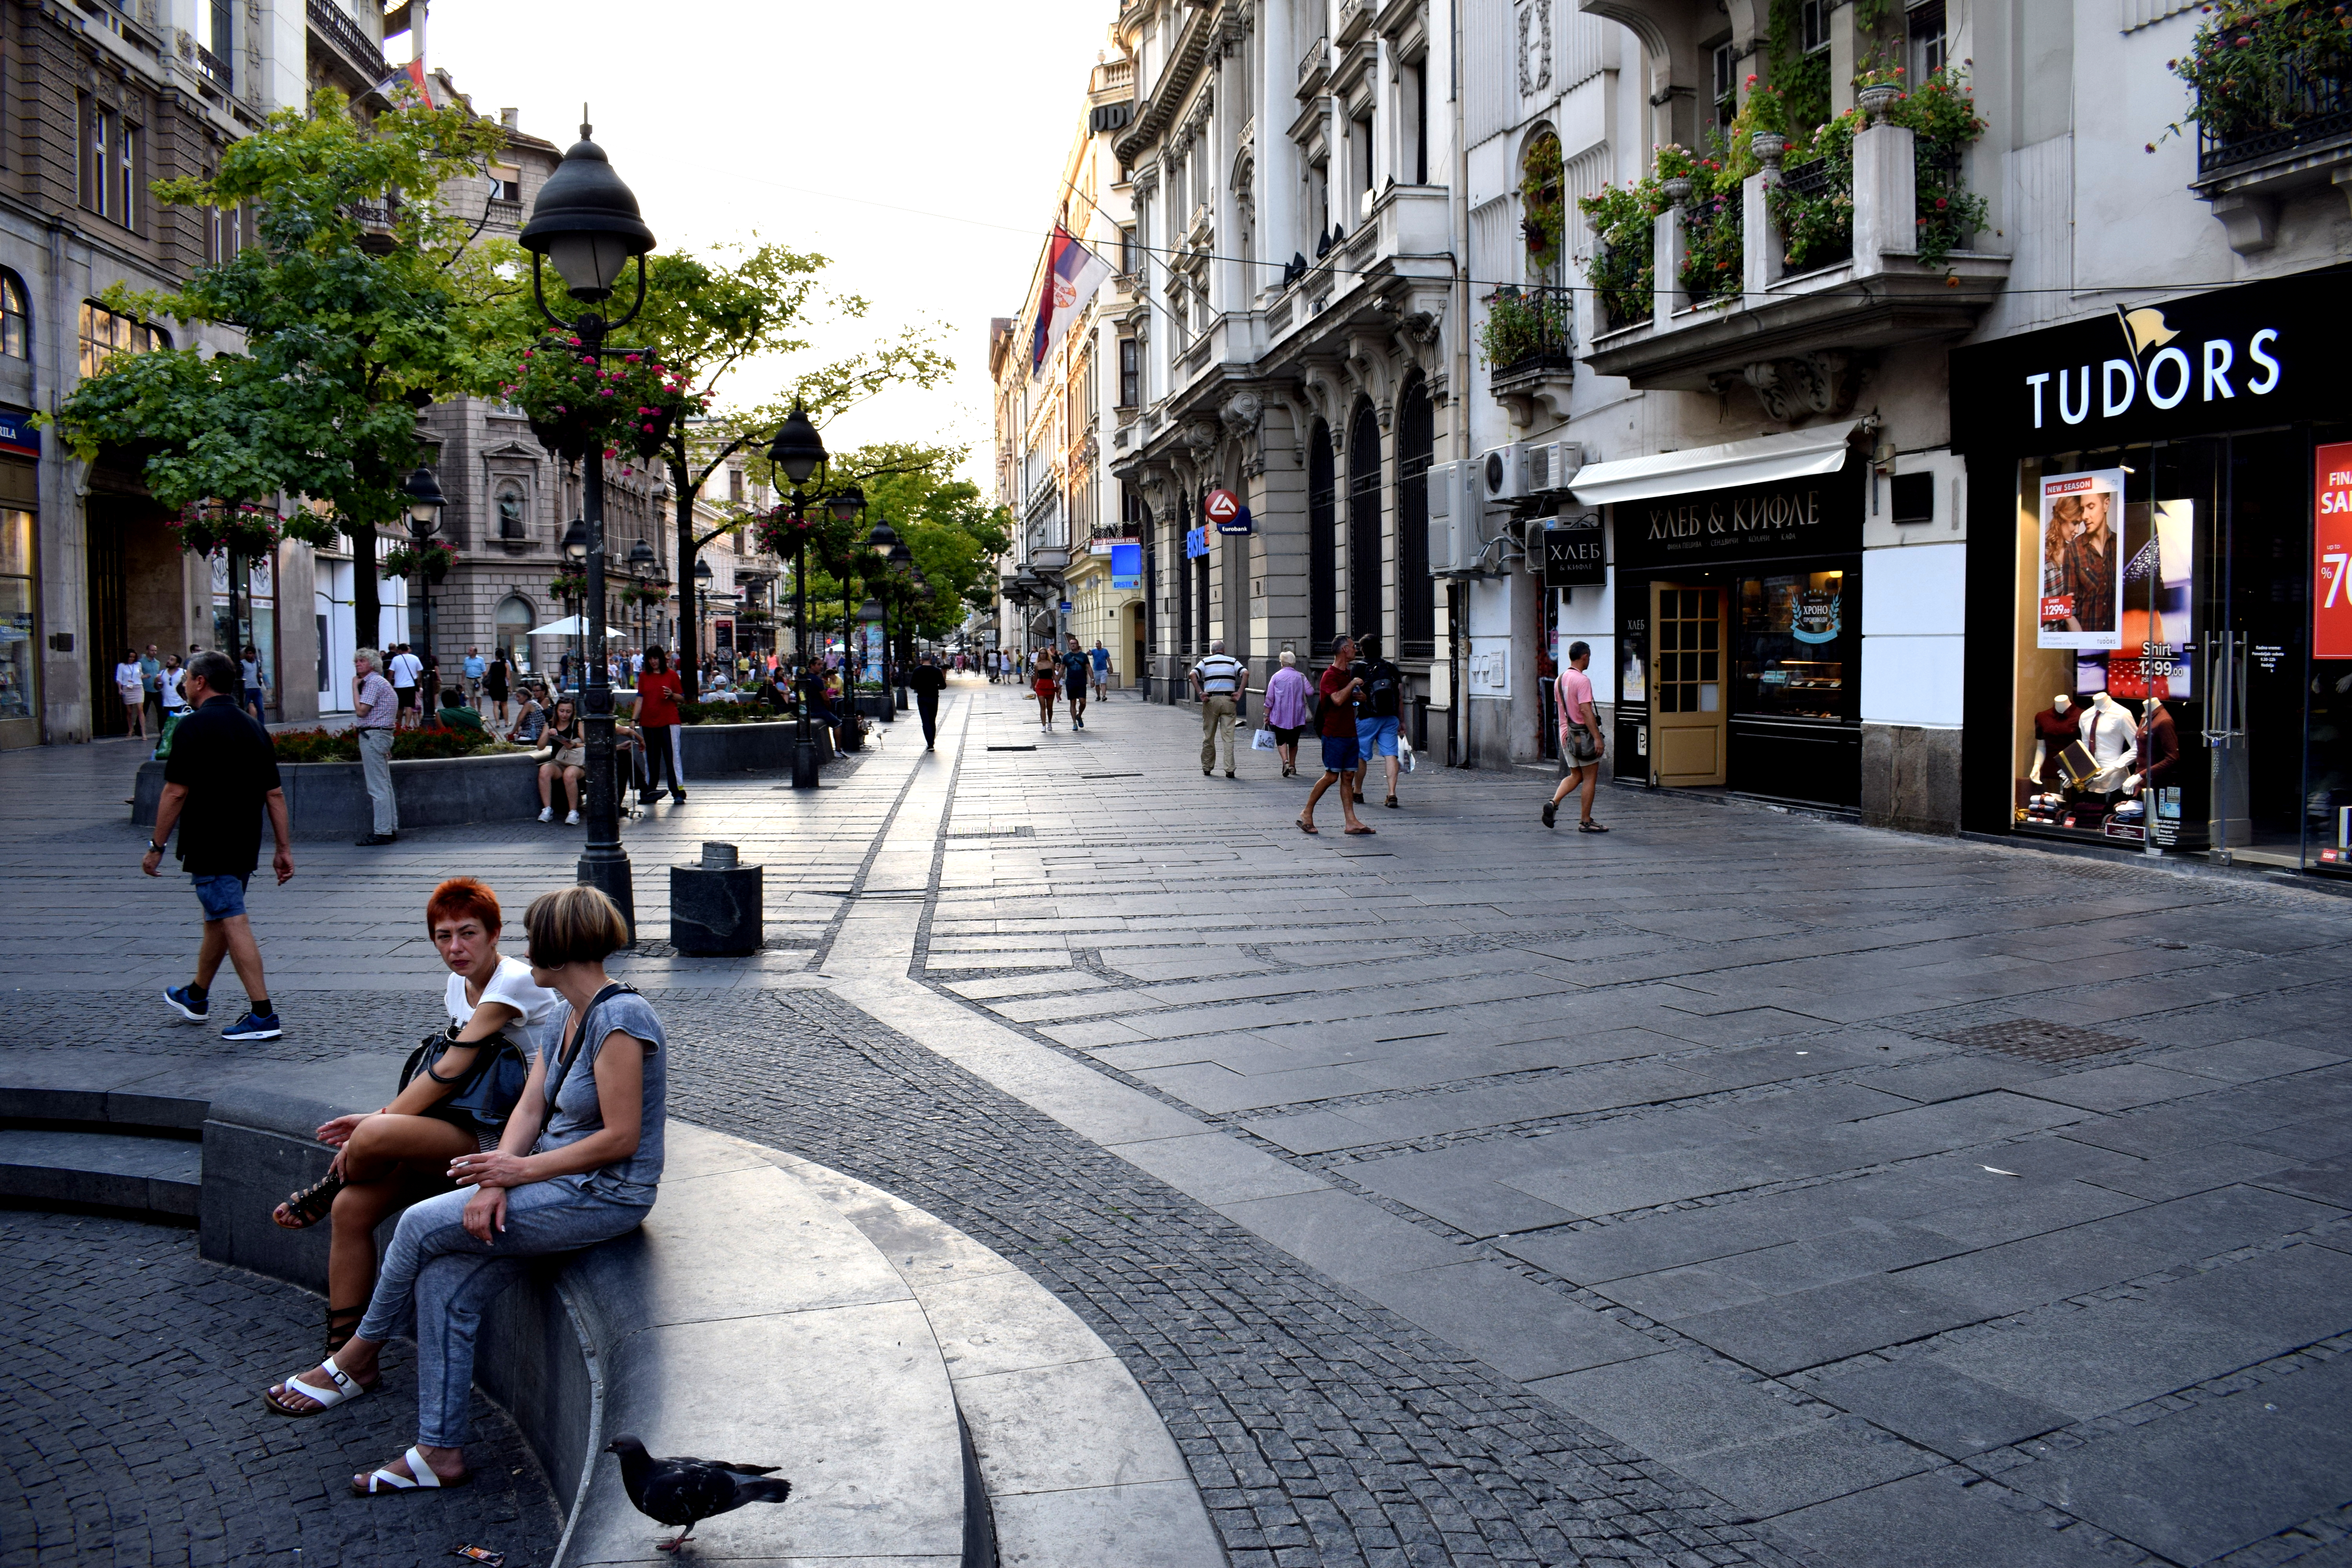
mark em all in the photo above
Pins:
pixel 376 758
pixel 436 1280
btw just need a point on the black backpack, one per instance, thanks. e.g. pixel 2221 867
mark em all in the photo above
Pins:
pixel 1381 690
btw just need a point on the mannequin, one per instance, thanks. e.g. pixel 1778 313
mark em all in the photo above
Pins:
pixel 2111 737
pixel 2053 728
pixel 2158 750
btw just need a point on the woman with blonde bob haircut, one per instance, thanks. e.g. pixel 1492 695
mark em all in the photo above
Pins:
pixel 580 1163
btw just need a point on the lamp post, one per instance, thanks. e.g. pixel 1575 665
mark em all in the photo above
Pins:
pixel 883 544
pixel 586 224
pixel 425 504
pixel 641 559
pixel 575 551
pixel 798 453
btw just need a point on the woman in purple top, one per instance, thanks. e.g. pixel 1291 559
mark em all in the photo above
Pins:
pixel 1289 708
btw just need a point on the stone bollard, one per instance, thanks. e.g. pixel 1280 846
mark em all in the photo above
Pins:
pixel 717 909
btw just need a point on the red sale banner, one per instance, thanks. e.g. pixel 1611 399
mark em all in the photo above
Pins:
pixel 2331 545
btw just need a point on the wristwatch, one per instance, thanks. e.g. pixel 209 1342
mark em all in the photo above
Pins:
pixel 154 847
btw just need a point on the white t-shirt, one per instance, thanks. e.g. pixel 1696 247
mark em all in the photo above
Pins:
pixel 404 668
pixel 513 986
pixel 128 681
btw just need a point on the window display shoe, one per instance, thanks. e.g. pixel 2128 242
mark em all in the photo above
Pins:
pixel 195 1009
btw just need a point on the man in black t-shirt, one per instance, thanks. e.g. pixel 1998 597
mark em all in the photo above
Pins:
pixel 222 776
pixel 928 680
pixel 1379 716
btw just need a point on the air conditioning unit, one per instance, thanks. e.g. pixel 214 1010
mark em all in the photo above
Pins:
pixel 1456 505
pixel 1505 472
pixel 1552 465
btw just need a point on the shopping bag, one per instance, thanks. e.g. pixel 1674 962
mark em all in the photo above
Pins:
pixel 1404 752
pixel 1262 741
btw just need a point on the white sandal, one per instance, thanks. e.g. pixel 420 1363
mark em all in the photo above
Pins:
pixel 384 1479
pixel 344 1386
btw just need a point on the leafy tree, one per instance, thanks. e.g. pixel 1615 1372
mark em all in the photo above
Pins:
pixel 708 318
pixel 356 309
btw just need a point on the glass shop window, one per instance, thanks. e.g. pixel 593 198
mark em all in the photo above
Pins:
pixel 1798 640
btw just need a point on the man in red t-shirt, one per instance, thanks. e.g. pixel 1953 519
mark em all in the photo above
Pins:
pixel 1579 738
pixel 1335 722
pixel 658 693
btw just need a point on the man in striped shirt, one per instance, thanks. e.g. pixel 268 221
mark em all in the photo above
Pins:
pixel 1218 682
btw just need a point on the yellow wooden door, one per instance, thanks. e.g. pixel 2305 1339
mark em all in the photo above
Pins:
pixel 1689 728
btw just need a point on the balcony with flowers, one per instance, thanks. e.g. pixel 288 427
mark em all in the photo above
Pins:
pixel 2274 110
pixel 1776 258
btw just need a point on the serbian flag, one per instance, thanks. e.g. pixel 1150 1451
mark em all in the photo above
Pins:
pixel 1073 273
pixel 413 73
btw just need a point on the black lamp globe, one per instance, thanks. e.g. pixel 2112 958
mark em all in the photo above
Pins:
pixel 797 449
pixel 641 555
pixel 870 611
pixel 849 505
pixel 424 502
pixel 702 572
pixel 898 554
pixel 585 222
pixel 883 537
pixel 575 540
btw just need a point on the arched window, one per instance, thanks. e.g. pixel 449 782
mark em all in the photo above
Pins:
pixel 1322 541
pixel 1416 444
pixel 514 622
pixel 15 318
pixel 1364 522
pixel 1544 209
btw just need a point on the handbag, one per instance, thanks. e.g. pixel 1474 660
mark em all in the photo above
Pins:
pixel 1582 746
pixel 1262 741
pixel 486 1092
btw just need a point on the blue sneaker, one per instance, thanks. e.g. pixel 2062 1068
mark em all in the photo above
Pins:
pixel 189 1007
pixel 251 1028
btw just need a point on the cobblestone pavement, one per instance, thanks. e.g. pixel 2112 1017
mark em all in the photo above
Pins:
pixel 1735 1186
pixel 158 1450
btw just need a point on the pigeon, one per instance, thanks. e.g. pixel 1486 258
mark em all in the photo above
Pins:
pixel 686 1491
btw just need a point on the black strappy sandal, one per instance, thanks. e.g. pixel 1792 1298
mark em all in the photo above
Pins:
pixel 343 1323
pixel 311 1204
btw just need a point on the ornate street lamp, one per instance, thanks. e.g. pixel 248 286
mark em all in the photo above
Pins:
pixel 575 550
pixel 798 453
pixel 641 561
pixel 425 504
pixel 585 225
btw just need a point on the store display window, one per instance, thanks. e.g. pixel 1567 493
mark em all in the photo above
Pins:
pixel 1797 644
pixel 18 693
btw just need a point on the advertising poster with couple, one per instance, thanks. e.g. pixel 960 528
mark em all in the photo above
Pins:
pixel 2081 590
pixel 2116 584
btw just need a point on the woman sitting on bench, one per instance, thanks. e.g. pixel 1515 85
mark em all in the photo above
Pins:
pixel 402 1152
pixel 579 1163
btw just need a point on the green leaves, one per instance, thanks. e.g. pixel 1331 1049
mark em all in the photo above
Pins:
pixel 351 313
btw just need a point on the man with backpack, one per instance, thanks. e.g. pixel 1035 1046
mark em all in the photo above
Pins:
pixel 1378 719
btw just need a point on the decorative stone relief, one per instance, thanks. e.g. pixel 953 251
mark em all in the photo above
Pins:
pixel 1802 386
pixel 1535 46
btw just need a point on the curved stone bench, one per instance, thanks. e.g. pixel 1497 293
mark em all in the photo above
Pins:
pixel 769 1310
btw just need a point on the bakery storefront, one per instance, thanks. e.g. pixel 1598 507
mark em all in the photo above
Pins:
pixel 1738 600
pixel 2159 630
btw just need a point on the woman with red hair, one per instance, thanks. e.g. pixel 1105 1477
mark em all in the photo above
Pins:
pixel 402 1152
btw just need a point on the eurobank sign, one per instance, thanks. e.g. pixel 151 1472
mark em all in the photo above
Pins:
pixel 2234 358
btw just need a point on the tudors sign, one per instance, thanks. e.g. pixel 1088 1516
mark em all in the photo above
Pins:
pixel 1820 515
pixel 2234 358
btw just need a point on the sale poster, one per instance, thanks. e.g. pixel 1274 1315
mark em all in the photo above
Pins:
pixel 2331 544
pixel 2082 579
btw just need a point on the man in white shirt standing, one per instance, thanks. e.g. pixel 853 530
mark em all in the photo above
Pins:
pixel 1218 682
pixel 405 667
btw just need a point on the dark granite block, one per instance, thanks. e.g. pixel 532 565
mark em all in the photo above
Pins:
pixel 1786 1333
pixel 2020 1274
pixel 1930 1521
pixel 1944 1409
pixel 1514 1325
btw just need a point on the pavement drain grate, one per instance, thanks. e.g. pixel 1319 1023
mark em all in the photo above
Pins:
pixel 1110 775
pixel 2037 1041
pixel 1023 831
pixel 1027 748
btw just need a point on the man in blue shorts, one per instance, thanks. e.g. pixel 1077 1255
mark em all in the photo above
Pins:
pixel 1101 657
pixel 1377 717
pixel 221 775
pixel 1076 667
pixel 1335 722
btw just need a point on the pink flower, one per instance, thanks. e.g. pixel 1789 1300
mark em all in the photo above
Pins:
pixel 574 341
pixel 585 359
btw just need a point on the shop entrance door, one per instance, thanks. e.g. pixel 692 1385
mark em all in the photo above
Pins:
pixel 2256 665
pixel 1689 719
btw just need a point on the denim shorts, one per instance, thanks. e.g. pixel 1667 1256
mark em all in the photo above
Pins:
pixel 223 897
pixel 1339 753
pixel 1376 737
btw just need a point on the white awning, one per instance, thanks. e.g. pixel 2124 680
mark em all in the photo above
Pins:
pixel 569 626
pixel 1764 459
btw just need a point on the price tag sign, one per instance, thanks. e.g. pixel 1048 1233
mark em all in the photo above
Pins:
pixel 2331 545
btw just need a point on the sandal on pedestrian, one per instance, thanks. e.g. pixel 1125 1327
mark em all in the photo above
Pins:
pixel 1360 828
pixel 384 1479
pixel 1306 827
pixel 343 1323
pixel 309 1206
pixel 1551 812
pixel 1591 827
pixel 1391 803
pixel 341 1386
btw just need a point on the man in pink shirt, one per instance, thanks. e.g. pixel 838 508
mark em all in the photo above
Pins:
pixel 1579 738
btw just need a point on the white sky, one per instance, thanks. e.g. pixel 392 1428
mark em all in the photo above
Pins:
pixel 792 119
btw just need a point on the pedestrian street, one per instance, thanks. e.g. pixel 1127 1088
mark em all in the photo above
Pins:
pixel 1738 1186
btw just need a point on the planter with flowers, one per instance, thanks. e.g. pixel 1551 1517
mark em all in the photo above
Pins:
pixel 619 399
pixel 429 561
pixel 2271 77
pixel 569 587
pixel 1814 206
pixel 241 528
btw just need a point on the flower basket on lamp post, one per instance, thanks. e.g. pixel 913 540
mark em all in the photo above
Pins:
pixel 426 562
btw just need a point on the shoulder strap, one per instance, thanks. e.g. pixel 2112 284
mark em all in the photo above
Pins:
pixel 562 1062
